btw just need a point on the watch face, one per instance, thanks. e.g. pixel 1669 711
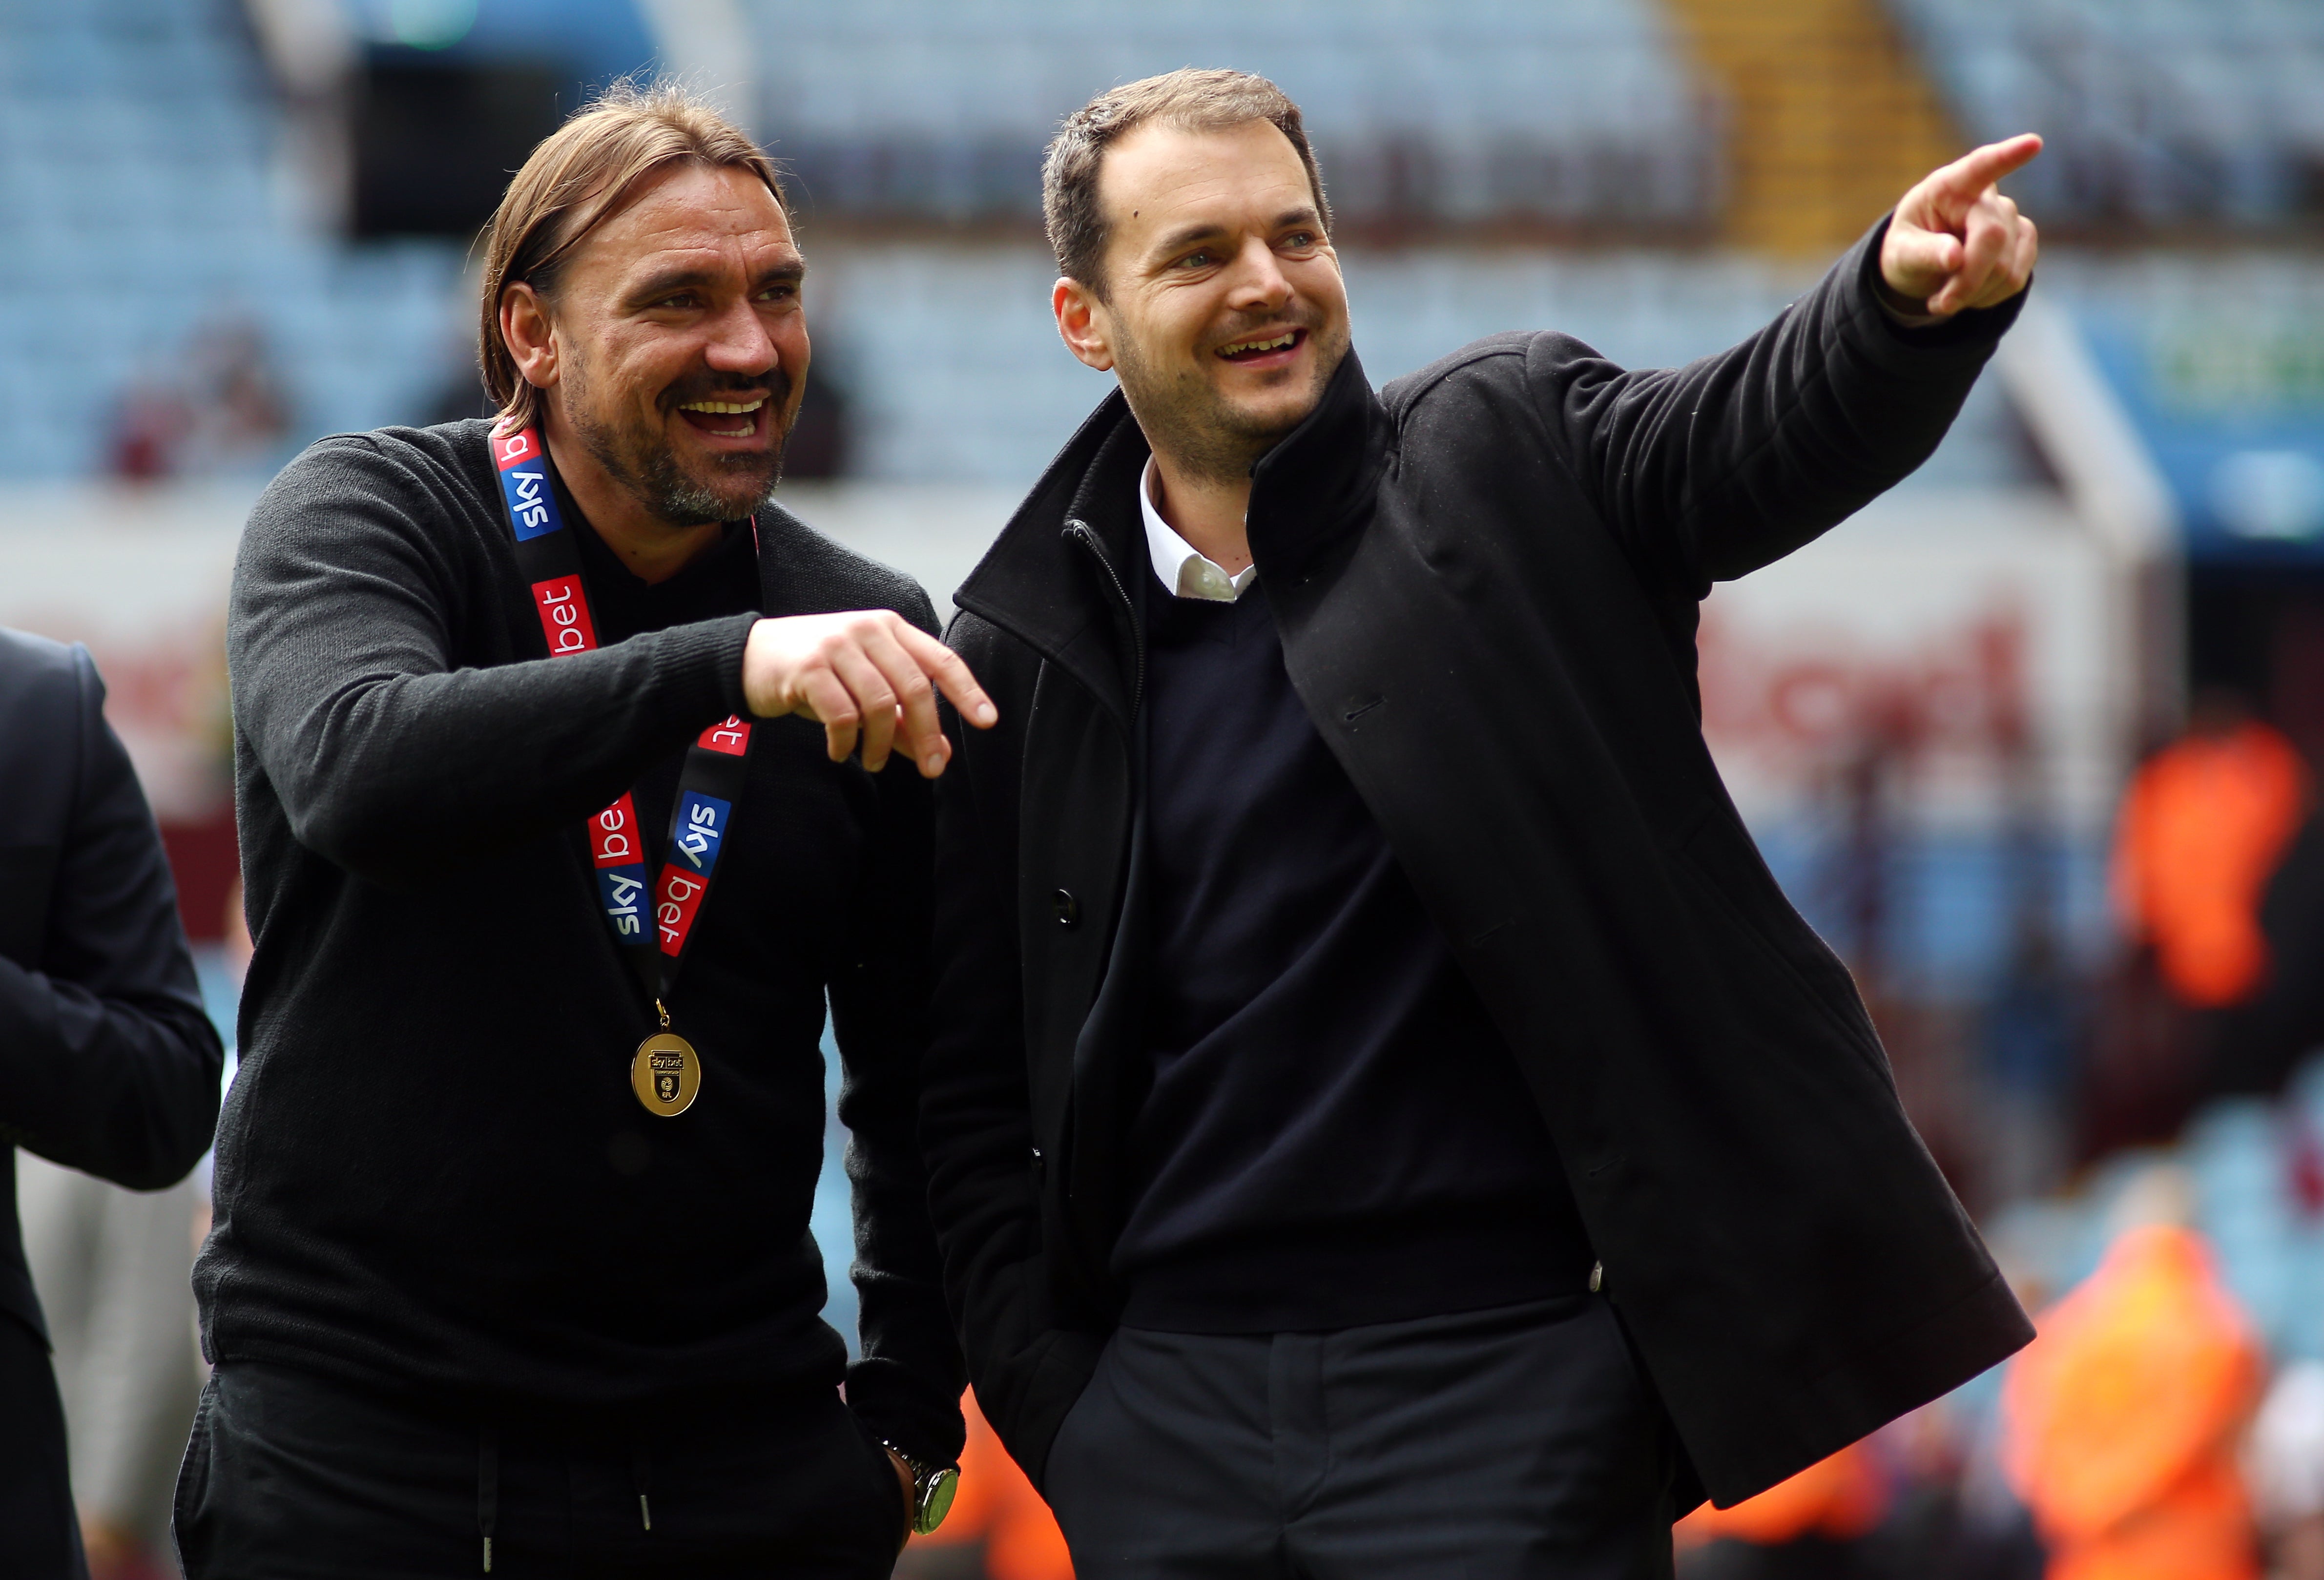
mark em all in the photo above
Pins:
pixel 935 1500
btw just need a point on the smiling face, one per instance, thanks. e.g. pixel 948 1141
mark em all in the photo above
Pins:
pixel 1222 313
pixel 679 353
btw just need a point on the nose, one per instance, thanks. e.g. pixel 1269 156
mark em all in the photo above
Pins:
pixel 740 344
pixel 1259 283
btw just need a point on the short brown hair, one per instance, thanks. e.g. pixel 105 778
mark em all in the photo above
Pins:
pixel 583 173
pixel 1190 100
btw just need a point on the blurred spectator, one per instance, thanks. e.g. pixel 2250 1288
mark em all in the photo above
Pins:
pixel 1992 1535
pixel 2205 824
pixel 221 408
pixel 2123 1417
pixel 240 412
pixel 108 1064
pixel 2287 1471
pixel 149 425
pixel 1809 1526
pixel 113 1269
pixel 999 1527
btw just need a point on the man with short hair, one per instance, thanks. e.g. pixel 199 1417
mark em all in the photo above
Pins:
pixel 1383 1118
pixel 558 841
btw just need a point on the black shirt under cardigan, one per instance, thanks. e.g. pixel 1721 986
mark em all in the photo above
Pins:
pixel 432 1172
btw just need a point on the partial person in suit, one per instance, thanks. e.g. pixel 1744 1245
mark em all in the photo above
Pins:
pixel 108 1062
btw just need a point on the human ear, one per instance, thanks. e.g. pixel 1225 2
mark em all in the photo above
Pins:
pixel 530 336
pixel 1083 323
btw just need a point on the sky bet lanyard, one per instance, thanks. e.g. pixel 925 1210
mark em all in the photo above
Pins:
pixel 666 1073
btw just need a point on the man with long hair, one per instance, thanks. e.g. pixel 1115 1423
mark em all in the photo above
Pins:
pixel 559 754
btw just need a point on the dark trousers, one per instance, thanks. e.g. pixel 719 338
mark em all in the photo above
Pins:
pixel 289 1473
pixel 1514 1443
pixel 40 1537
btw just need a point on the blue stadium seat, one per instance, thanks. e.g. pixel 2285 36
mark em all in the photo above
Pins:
pixel 1582 110
pixel 138 146
pixel 2156 111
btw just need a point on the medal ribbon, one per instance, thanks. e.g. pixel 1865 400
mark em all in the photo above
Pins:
pixel 653 927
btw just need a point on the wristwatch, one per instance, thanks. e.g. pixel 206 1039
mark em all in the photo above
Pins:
pixel 933 1486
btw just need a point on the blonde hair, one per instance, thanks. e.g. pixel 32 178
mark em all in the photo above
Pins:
pixel 584 172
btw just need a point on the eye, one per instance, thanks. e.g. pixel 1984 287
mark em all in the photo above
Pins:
pixel 782 292
pixel 1200 258
pixel 1300 239
pixel 679 299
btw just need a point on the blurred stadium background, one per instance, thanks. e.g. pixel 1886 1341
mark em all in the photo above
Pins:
pixel 233 226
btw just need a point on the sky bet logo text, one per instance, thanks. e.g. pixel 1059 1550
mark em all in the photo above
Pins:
pixel 701 826
pixel 563 616
pixel 531 504
pixel 621 864
pixel 698 830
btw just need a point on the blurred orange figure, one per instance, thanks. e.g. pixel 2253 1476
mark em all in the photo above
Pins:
pixel 2203 826
pixel 2121 1419
pixel 998 1504
pixel 1839 1499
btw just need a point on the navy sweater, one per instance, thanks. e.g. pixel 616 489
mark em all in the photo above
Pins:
pixel 1335 1134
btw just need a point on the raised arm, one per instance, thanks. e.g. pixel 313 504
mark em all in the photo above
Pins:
pixel 1710 470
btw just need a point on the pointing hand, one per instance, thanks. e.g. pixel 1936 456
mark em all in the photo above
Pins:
pixel 1956 242
pixel 869 672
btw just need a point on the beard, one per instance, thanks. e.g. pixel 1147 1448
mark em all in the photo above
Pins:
pixel 637 455
pixel 1207 436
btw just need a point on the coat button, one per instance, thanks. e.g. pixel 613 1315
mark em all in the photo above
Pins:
pixel 1597 1276
pixel 1069 909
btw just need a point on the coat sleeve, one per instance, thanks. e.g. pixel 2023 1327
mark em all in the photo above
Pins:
pixel 976 1120
pixel 108 1063
pixel 390 758
pixel 1708 471
pixel 908 1385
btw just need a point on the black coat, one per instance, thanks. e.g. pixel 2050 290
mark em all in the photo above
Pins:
pixel 108 1063
pixel 1487 580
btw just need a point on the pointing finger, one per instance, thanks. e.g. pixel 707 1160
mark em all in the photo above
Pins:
pixel 951 674
pixel 1965 180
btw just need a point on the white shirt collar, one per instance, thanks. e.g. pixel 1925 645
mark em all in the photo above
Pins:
pixel 1182 568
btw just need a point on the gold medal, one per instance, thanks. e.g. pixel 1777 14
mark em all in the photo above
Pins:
pixel 666 1073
